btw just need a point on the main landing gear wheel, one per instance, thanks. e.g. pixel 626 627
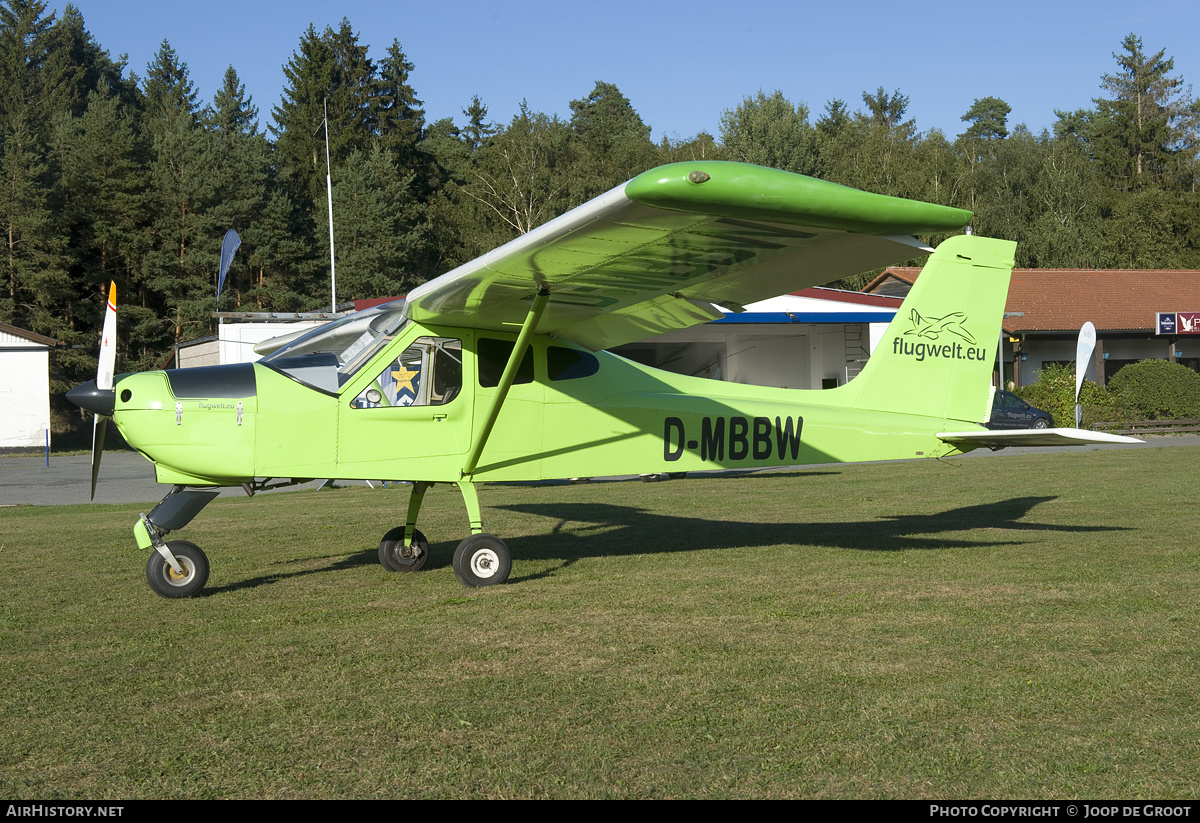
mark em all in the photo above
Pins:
pixel 393 557
pixel 482 560
pixel 166 582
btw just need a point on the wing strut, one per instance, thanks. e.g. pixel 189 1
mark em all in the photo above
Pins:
pixel 506 380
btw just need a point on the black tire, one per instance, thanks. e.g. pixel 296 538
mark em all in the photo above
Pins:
pixel 482 560
pixel 162 577
pixel 1041 423
pixel 392 546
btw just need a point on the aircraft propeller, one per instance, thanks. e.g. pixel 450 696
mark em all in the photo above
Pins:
pixel 97 395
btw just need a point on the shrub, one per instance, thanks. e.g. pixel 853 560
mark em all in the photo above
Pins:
pixel 1156 390
pixel 1054 392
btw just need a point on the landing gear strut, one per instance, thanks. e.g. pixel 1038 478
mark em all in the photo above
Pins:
pixel 480 560
pixel 176 568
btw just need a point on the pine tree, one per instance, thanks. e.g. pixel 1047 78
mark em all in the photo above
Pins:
pixel 1142 138
pixel 168 90
pixel 400 116
pixel 299 146
pixel 100 193
pixel 605 119
pixel 477 129
pixel 76 65
pixel 178 269
pixel 887 111
pixel 24 47
pixel 988 117
pixel 27 227
pixel 232 112
pixel 242 176
pixel 380 230
pixel 181 266
pixel 279 256
pixel 612 143
pixel 354 98
pixel 1139 123
pixel 330 71
pixel 34 269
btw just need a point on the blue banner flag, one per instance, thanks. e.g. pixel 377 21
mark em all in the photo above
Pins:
pixel 228 247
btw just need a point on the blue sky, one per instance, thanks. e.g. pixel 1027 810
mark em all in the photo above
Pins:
pixel 680 63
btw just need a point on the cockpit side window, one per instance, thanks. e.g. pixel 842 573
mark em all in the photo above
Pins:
pixel 493 356
pixel 427 373
pixel 570 364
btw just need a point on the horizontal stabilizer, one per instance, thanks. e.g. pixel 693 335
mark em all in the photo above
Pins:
pixel 1032 437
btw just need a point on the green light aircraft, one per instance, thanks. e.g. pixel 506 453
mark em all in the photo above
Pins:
pixel 496 371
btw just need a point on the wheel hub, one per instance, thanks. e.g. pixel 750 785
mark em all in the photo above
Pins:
pixel 180 577
pixel 484 563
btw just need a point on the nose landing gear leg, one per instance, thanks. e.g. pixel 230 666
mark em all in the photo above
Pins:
pixel 176 568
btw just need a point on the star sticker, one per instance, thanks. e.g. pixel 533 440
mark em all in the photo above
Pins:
pixel 404 378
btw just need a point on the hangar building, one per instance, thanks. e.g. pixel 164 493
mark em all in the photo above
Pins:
pixel 811 339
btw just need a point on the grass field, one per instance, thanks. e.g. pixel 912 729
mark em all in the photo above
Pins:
pixel 1016 627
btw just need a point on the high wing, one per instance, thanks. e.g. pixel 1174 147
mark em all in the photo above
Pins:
pixel 656 253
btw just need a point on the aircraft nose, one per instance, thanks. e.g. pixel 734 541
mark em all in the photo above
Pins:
pixel 89 396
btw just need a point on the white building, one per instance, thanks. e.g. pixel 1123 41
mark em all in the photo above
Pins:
pixel 235 342
pixel 24 389
pixel 812 339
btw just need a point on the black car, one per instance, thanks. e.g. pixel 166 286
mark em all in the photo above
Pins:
pixel 1011 412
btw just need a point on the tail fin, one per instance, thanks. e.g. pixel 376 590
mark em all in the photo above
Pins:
pixel 937 356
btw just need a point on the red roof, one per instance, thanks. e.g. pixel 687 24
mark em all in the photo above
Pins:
pixel 1063 299
pixel 371 302
pixel 843 296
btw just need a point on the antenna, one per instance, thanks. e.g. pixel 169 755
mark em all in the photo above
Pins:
pixel 329 199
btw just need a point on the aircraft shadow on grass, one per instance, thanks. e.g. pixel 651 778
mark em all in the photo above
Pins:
pixel 604 529
pixel 601 529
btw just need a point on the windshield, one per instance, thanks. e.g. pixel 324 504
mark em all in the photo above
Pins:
pixel 329 355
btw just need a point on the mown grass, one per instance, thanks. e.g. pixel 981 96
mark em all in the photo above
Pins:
pixel 1009 627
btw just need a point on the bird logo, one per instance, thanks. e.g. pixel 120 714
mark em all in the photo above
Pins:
pixel 932 328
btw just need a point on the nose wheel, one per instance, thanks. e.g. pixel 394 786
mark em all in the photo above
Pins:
pixel 482 560
pixel 167 582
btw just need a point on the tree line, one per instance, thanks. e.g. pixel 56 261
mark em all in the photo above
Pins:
pixel 106 174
